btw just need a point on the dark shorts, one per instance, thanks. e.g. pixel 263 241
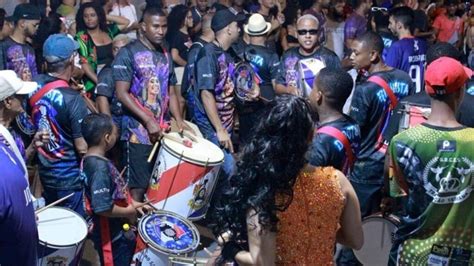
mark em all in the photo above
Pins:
pixel 138 171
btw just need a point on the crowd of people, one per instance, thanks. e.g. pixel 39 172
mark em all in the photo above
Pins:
pixel 315 105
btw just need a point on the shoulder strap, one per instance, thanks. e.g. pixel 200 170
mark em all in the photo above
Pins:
pixel 336 133
pixel 382 83
pixel 45 89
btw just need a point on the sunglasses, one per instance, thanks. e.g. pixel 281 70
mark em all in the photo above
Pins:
pixel 311 32
pixel 382 9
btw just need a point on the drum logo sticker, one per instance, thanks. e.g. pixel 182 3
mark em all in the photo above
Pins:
pixel 57 261
pixel 448 180
pixel 199 195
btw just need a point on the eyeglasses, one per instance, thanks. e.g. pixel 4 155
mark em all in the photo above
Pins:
pixel 382 9
pixel 311 32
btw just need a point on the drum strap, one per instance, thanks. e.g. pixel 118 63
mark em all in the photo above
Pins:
pixel 339 135
pixel 106 241
pixel 45 89
pixel 382 83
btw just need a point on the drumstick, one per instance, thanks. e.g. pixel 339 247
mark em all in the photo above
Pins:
pixel 153 151
pixel 54 203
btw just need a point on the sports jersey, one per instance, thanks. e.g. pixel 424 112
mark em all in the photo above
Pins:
pixel 409 55
pixel 106 87
pixel 370 109
pixel 60 112
pixel 17 218
pixel 327 150
pixel 149 73
pixel 434 166
pixel 214 69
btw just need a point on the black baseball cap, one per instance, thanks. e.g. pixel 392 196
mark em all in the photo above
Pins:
pixel 224 17
pixel 25 11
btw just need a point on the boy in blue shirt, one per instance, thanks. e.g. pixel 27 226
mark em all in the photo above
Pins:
pixel 106 196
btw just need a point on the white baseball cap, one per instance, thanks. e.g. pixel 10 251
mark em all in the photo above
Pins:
pixel 10 84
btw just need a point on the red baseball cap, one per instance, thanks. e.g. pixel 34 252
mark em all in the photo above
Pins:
pixel 445 75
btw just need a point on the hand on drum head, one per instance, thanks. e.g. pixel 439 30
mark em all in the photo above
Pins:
pixel 142 208
pixel 183 126
pixel 224 140
pixel 154 131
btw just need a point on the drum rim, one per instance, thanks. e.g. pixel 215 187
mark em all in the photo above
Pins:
pixel 167 251
pixel 49 245
pixel 391 218
pixel 193 161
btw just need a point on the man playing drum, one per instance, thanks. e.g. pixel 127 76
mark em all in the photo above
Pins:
pixel 432 164
pixel 144 80
pixel 310 53
pixel 214 110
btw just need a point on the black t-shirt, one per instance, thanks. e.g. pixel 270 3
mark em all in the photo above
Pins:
pixel 182 42
pixel 465 114
pixel 370 109
pixel 103 188
pixel 329 151
pixel 290 72
pixel 60 112
pixel 214 70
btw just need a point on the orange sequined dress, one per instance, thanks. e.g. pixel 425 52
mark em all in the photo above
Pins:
pixel 307 229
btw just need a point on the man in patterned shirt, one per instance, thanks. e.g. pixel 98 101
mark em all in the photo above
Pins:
pixel 144 79
pixel 432 164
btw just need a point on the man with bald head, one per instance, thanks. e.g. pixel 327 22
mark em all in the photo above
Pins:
pixel 300 65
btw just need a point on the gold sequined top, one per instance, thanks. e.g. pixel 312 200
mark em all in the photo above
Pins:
pixel 307 229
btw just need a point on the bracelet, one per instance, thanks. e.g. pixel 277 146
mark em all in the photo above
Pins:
pixel 230 249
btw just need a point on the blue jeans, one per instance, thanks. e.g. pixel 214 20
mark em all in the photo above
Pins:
pixel 75 202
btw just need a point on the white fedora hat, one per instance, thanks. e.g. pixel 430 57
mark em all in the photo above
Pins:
pixel 257 25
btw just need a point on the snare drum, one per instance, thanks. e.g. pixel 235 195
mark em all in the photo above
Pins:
pixel 379 234
pixel 61 234
pixel 184 178
pixel 163 236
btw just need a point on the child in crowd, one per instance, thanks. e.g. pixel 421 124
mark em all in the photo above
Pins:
pixel 107 200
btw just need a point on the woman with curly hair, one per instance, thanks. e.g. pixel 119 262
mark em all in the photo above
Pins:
pixel 278 210
pixel 95 36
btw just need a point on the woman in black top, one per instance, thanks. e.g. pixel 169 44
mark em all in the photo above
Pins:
pixel 180 20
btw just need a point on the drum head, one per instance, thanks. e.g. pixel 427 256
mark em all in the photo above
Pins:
pixel 245 83
pixel 61 228
pixel 202 152
pixel 168 233
pixel 378 232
